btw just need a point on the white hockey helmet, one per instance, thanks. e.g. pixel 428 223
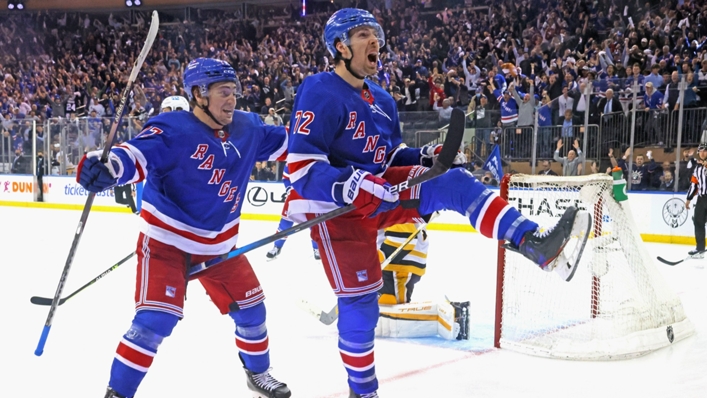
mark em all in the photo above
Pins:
pixel 175 103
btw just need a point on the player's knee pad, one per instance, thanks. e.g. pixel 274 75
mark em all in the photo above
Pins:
pixel 453 190
pixel 250 322
pixel 149 328
pixel 357 315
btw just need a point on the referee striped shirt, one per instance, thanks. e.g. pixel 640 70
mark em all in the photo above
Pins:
pixel 698 182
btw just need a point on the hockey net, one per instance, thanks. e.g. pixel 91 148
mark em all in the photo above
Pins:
pixel 617 305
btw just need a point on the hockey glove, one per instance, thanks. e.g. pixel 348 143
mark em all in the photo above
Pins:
pixel 96 176
pixel 429 153
pixel 368 193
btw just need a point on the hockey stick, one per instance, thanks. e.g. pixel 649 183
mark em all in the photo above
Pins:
pixel 48 301
pixel 328 318
pixel 673 263
pixel 151 34
pixel 444 162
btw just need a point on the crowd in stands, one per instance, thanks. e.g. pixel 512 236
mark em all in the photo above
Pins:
pixel 501 60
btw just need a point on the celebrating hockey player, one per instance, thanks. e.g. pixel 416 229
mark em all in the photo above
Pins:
pixel 344 150
pixel 196 166
pixel 286 223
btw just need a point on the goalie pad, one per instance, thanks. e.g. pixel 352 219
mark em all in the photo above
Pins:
pixel 424 319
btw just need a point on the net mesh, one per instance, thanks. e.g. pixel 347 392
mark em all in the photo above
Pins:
pixel 616 306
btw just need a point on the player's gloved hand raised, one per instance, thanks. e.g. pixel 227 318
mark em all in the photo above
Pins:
pixel 368 193
pixel 96 176
pixel 429 153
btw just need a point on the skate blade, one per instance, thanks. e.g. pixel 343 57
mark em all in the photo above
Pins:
pixel 572 253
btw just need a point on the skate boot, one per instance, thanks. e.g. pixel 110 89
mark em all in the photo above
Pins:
pixel 264 385
pixel 373 394
pixel 696 254
pixel 461 316
pixel 112 394
pixel 316 254
pixel 274 252
pixel 544 248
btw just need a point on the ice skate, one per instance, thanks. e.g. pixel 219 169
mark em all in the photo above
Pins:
pixel 316 254
pixel 696 254
pixel 373 394
pixel 461 317
pixel 545 247
pixel 264 385
pixel 110 393
pixel 274 252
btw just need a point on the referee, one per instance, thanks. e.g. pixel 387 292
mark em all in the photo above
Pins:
pixel 698 186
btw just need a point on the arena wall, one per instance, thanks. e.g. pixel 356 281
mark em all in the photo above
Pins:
pixel 660 217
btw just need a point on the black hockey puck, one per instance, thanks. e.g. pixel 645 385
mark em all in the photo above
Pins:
pixel 671 336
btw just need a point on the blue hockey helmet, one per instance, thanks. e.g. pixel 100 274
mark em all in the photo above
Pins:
pixel 203 72
pixel 341 23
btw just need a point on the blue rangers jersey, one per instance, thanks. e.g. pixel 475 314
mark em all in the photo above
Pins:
pixel 653 101
pixel 334 129
pixel 195 177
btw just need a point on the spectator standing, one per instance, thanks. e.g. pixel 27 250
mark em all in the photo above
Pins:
pixel 564 101
pixel 641 172
pixel 445 112
pixel 411 95
pixel 478 171
pixel 273 119
pixel 262 172
pixel 526 118
pixel 484 121
pixel 653 104
pixel 571 161
pixel 544 129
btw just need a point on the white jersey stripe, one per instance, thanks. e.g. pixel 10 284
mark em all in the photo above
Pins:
pixel 131 364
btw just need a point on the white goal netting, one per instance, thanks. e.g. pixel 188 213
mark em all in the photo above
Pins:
pixel 617 305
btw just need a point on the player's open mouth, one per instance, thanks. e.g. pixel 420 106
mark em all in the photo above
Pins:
pixel 373 58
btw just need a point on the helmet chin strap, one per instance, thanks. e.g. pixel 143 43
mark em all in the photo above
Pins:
pixel 347 63
pixel 208 112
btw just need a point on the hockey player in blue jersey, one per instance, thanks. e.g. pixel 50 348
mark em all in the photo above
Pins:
pixel 344 149
pixel 286 223
pixel 196 167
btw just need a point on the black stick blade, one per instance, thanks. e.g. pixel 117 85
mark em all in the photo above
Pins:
pixel 453 141
pixel 43 300
pixel 673 263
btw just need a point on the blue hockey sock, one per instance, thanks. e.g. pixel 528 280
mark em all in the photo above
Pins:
pixel 284 224
pixel 137 349
pixel 357 322
pixel 488 213
pixel 252 337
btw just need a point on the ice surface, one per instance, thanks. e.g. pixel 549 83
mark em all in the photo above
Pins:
pixel 200 358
